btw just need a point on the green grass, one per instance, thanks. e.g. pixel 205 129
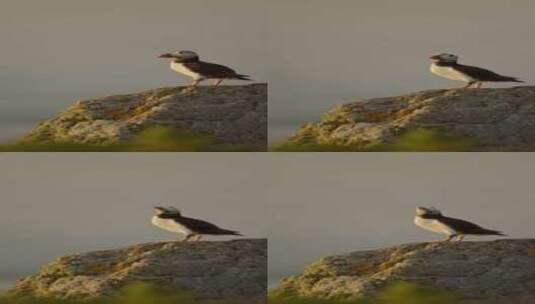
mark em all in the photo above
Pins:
pixel 155 139
pixel 137 293
pixel 143 293
pixel 419 140
pixel 400 293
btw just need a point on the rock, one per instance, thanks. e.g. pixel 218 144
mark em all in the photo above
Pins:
pixel 234 115
pixel 494 119
pixel 496 270
pixel 211 270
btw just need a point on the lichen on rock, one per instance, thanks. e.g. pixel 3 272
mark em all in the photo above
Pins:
pixel 209 270
pixel 232 115
pixel 492 119
pixel 496 270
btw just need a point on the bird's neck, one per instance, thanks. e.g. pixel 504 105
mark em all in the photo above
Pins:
pixel 189 60
pixel 430 216
pixel 169 215
pixel 445 63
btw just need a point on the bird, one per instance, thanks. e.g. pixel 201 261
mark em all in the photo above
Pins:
pixel 171 219
pixel 432 219
pixel 189 64
pixel 445 65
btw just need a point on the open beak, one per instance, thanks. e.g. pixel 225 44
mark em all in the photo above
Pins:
pixel 166 55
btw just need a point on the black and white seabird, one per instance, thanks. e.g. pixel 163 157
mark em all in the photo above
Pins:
pixel 188 63
pixel 171 219
pixel 445 65
pixel 432 219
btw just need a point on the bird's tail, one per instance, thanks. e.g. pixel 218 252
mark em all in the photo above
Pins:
pixel 492 232
pixel 243 77
pixel 236 233
pixel 513 79
pixel 230 232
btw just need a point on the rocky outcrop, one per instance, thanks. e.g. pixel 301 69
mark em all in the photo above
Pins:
pixel 234 115
pixel 212 270
pixel 495 270
pixel 493 119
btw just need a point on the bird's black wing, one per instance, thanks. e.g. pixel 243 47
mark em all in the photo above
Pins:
pixel 211 69
pixel 200 226
pixel 466 227
pixel 482 74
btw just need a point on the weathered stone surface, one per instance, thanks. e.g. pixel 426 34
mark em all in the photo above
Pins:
pixel 214 270
pixel 235 115
pixel 503 269
pixel 496 119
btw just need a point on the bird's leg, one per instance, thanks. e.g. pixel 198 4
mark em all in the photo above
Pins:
pixel 218 82
pixel 198 238
pixel 469 85
pixel 195 237
pixel 478 85
pixel 460 238
pixel 194 83
pixel 449 238
pixel 192 86
pixel 188 237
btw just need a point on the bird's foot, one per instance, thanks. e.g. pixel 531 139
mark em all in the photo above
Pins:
pixel 189 89
pixel 473 85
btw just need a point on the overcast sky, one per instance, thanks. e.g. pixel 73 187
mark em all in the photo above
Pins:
pixel 314 53
pixel 308 204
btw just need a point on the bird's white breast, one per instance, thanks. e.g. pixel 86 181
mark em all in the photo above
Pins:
pixel 450 73
pixel 433 225
pixel 182 69
pixel 170 225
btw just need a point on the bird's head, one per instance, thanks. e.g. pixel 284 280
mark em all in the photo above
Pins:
pixel 444 57
pixel 166 210
pixel 181 56
pixel 427 211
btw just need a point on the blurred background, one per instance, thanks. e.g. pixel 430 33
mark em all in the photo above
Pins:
pixel 314 54
pixel 58 204
pixel 60 51
pixel 309 205
pixel 323 203
pixel 328 52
